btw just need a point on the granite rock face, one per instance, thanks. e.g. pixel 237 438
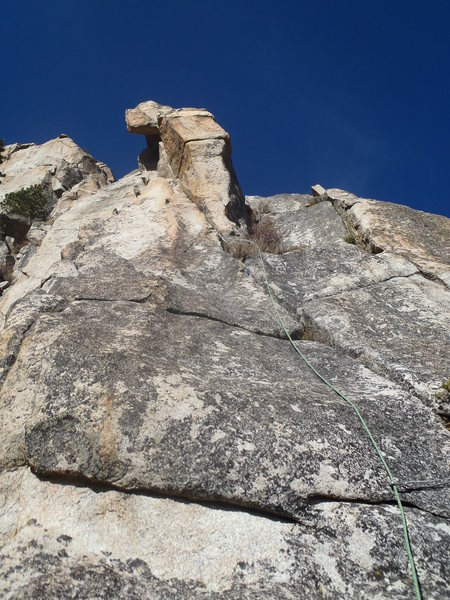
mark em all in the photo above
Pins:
pixel 419 236
pixel 64 171
pixel 160 436
pixel 58 165
pixel 66 541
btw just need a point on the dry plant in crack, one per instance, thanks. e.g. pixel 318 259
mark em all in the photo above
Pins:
pixel 266 236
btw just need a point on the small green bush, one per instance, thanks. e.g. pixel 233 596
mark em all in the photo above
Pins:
pixel 444 391
pixel 28 202
pixel 350 239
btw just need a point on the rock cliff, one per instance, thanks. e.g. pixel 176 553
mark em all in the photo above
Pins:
pixel 160 436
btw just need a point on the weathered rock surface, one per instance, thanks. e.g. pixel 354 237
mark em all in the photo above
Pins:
pixel 387 326
pixel 421 237
pixel 144 119
pixel 58 165
pixel 327 270
pixel 115 403
pixel 64 171
pixel 160 436
pixel 359 302
pixel 69 541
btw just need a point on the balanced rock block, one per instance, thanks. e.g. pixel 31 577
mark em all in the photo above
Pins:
pixel 198 151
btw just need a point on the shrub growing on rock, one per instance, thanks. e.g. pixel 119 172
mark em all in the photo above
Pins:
pixel 350 239
pixel 29 202
pixel 266 236
pixel 262 234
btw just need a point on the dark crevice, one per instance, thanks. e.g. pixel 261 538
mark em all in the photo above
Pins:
pixel 218 503
pixel 176 311
pixel 445 419
pixel 317 499
pixel 203 139
pixel 406 488
pixel 44 281
pixel 314 499
pixel 430 276
pixel 363 242
pixel 171 310
pixel 94 299
pixel 15 226
pixel 149 157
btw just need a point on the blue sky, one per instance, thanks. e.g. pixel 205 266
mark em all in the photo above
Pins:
pixel 347 94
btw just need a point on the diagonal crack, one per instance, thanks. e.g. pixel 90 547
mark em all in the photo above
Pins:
pixel 218 503
pixel 361 287
pixel 200 315
pixel 222 503
pixel 368 245
pixel 141 300
pixel 317 499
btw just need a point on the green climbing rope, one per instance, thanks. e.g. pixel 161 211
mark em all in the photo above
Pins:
pixel 363 423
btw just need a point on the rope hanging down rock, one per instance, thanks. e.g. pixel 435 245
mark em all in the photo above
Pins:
pixel 392 481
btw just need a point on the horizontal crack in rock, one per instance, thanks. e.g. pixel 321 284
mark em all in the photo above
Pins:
pixel 175 311
pixel 77 480
pixel 93 299
pixel 363 287
pixel 315 499
pixel 225 504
